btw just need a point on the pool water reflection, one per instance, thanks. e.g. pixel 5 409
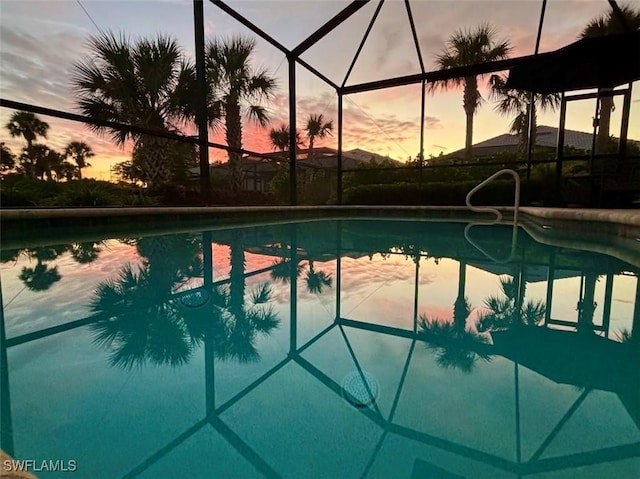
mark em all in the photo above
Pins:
pixel 352 348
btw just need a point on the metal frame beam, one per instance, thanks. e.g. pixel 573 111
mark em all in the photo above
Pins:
pixel 438 75
pixel 201 103
pixel 64 115
pixel 415 34
pixel 362 42
pixel 261 33
pixel 321 32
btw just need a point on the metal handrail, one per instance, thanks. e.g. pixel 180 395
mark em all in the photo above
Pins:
pixel 489 209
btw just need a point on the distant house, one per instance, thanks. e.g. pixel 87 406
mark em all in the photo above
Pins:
pixel 546 137
pixel 258 171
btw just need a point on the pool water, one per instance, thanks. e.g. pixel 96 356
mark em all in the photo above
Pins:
pixel 328 349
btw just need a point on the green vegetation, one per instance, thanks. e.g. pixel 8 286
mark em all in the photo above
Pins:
pixel 21 191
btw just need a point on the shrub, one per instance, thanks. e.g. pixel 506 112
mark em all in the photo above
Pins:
pixel 499 192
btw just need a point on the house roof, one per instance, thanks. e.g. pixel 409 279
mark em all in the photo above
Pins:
pixel 324 157
pixel 546 136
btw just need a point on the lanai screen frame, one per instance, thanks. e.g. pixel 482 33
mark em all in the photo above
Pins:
pixel 424 77
pixel 293 59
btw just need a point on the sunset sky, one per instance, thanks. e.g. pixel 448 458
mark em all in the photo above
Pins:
pixel 40 40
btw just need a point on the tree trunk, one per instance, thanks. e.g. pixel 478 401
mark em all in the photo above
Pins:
pixel 604 125
pixel 79 172
pixel 310 150
pixel 150 155
pixel 470 103
pixel 233 126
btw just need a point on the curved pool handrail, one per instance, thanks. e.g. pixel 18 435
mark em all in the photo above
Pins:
pixel 489 209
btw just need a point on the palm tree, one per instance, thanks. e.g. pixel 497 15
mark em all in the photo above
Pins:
pixel 33 160
pixel 469 47
pixel 54 163
pixel 27 125
pixel 7 158
pixel 279 138
pixel 609 24
pixel 79 151
pixel 237 88
pixel 317 127
pixel 517 102
pixel 149 83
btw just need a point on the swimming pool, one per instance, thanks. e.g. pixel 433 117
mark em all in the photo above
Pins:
pixel 338 349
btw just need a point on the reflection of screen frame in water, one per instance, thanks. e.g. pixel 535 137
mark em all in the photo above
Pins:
pixel 296 253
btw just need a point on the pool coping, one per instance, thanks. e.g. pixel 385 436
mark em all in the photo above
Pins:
pixel 613 232
pixel 615 216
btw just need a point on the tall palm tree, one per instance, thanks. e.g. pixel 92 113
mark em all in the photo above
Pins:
pixel 517 102
pixel 80 152
pixel 609 24
pixel 147 82
pixel 469 47
pixel 27 125
pixel 238 89
pixel 317 127
pixel 279 138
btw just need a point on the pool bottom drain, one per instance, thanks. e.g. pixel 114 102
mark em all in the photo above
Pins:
pixel 360 388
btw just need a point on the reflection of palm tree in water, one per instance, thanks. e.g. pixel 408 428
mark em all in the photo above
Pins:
pixel 141 319
pixel 503 311
pixel 317 280
pixel 455 345
pixel 243 323
pixel 86 252
pixel 42 276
